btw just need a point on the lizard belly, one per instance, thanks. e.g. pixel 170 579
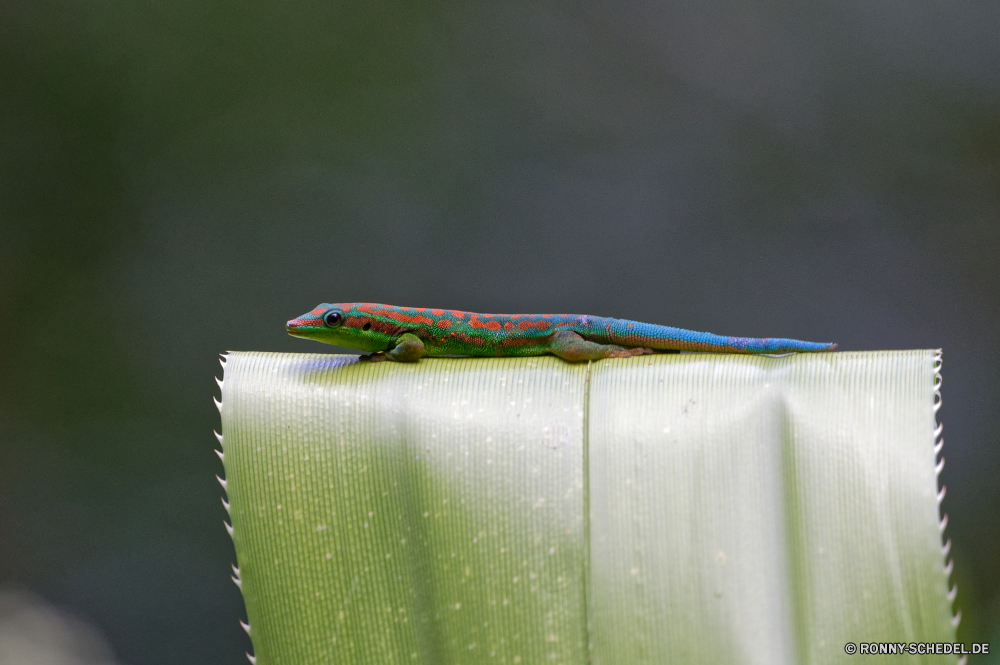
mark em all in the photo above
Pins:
pixel 457 344
pixel 484 345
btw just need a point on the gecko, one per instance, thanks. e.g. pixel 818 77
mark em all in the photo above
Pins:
pixel 405 334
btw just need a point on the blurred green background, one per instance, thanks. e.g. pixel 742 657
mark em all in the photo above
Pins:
pixel 178 179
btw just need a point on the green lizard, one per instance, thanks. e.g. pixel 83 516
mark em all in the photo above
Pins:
pixel 405 334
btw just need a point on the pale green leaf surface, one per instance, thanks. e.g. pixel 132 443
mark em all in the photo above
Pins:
pixel 741 509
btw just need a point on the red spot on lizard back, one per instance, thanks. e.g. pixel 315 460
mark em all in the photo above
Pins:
pixel 541 325
pixel 437 312
pixel 474 322
pixel 404 318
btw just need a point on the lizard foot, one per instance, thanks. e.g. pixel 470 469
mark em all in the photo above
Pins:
pixel 571 346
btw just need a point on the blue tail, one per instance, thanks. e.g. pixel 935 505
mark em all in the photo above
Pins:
pixel 635 333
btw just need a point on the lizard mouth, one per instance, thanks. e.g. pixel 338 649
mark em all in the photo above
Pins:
pixel 301 327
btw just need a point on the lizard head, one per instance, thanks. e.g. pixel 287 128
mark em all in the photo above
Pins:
pixel 342 324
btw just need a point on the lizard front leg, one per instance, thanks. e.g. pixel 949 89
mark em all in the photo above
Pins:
pixel 570 346
pixel 408 349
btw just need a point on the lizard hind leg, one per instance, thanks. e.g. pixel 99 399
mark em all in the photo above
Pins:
pixel 570 346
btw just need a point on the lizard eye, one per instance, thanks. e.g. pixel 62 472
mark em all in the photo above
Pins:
pixel 333 318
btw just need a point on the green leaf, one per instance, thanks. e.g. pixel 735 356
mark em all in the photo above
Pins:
pixel 670 508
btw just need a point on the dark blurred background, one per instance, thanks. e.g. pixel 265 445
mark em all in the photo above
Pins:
pixel 177 179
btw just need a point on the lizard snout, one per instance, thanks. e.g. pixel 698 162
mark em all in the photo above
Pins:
pixel 300 325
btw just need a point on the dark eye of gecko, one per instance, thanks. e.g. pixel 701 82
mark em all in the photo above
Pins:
pixel 367 326
pixel 333 318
